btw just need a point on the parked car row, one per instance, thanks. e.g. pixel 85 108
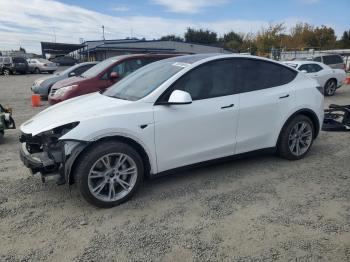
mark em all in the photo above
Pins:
pixel 101 76
pixel 18 65
pixel 330 79
pixel 173 113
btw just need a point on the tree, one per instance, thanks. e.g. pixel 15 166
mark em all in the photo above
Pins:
pixel 233 41
pixel 345 40
pixel 326 37
pixel 171 38
pixel 201 36
pixel 22 49
pixel 269 38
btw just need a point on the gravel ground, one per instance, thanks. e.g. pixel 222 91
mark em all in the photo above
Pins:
pixel 256 209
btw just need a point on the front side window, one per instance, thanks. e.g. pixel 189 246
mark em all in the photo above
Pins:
pixel 210 80
pixel 254 74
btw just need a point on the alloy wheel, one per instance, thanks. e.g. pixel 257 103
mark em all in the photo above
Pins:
pixel 112 177
pixel 330 88
pixel 300 138
pixel 6 72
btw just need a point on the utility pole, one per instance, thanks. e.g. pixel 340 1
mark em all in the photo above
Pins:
pixel 103 32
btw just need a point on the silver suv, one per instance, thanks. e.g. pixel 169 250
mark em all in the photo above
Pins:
pixel 333 61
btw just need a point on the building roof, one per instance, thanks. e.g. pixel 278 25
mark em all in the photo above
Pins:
pixel 152 46
pixel 59 48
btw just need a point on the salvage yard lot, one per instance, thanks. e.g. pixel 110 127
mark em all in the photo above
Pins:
pixel 255 209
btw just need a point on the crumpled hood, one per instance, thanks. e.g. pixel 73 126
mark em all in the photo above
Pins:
pixel 69 81
pixel 73 110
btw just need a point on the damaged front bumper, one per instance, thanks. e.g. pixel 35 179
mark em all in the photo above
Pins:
pixel 55 158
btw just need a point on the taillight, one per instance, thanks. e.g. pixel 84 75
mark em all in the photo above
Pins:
pixel 321 89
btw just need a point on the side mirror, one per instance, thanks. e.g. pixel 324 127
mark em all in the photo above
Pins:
pixel 114 75
pixel 179 97
pixel 71 74
pixel 304 71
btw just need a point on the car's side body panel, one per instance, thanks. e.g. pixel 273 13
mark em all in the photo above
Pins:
pixel 203 130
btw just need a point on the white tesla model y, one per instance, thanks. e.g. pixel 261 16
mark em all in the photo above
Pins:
pixel 170 114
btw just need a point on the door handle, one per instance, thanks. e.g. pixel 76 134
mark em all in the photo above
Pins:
pixel 286 96
pixel 223 107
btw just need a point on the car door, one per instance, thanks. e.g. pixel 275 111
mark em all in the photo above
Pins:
pixel 204 129
pixel 266 101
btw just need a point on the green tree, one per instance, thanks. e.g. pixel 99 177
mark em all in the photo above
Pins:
pixel 171 38
pixel 232 41
pixel 269 38
pixel 326 37
pixel 345 40
pixel 201 36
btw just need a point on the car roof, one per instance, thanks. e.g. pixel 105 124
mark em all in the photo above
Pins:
pixel 303 62
pixel 191 59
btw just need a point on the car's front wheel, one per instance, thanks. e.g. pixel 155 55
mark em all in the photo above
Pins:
pixel 6 72
pixel 296 138
pixel 109 173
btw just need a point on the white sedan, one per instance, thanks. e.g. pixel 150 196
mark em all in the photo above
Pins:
pixel 329 78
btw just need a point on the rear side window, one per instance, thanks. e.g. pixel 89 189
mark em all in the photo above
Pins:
pixel 317 59
pixel 254 74
pixel 81 69
pixel 213 79
pixel 332 59
pixel 18 60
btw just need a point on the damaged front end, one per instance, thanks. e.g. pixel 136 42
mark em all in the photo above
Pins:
pixel 46 154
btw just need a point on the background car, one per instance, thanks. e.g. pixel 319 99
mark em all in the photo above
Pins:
pixel 169 114
pixel 64 60
pixel 40 65
pixel 330 79
pixel 43 85
pixel 333 61
pixel 11 65
pixel 101 76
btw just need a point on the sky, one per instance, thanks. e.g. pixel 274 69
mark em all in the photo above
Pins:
pixel 28 22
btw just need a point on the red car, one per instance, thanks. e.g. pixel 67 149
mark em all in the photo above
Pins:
pixel 101 76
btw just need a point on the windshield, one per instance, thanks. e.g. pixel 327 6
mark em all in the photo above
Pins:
pixel 145 80
pixel 95 70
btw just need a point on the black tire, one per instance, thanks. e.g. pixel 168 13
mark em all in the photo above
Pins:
pixel 330 87
pixel 88 160
pixel 37 71
pixel 6 72
pixel 50 72
pixel 283 146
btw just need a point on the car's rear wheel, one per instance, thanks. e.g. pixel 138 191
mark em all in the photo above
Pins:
pixel 37 70
pixel 109 173
pixel 296 138
pixel 330 87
